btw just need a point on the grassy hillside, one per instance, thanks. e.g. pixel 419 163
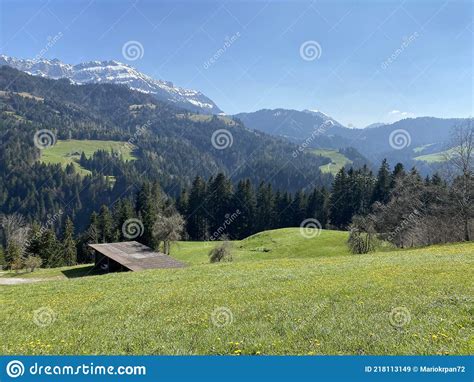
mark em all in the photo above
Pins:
pixel 66 152
pixel 313 299
pixel 420 149
pixel 435 157
pixel 280 243
pixel 207 118
pixel 338 160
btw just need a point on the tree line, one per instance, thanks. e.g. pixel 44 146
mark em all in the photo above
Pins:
pixel 396 205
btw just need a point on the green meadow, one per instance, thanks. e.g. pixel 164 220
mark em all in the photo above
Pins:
pixel 282 294
pixel 69 151
pixel 435 157
pixel 338 160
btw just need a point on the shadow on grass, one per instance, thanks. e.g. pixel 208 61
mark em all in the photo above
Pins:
pixel 81 272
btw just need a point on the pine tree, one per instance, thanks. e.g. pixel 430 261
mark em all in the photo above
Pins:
pixel 149 204
pixel 283 206
pixel 299 208
pixel 106 225
pixel 219 198
pixel 340 202
pixel 398 173
pixel 50 250
pixel 265 207
pixel 69 244
pixel 33 242
pixel 316 207
pixel 381 191
pixel 197 225
pixel 245 202
pixel 93 232
pixel 123 212
pixel 182 202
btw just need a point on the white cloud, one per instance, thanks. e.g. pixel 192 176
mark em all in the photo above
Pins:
pixel 402 113
pixel 396 115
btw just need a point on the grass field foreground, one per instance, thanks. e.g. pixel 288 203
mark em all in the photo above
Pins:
pixel 396 302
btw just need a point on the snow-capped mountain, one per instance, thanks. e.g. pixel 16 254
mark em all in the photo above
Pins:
pixel 116 73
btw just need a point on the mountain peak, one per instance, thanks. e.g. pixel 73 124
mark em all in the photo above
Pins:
pixel 317 112
pixel 115 72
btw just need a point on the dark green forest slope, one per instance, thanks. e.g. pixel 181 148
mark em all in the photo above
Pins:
pixel 172 146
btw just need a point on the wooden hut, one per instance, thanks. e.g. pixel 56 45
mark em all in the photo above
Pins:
pixel 130 256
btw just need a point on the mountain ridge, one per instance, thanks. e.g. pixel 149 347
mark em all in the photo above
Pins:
pixel 115 72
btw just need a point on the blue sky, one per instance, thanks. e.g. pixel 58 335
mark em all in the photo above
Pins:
pixel 373 61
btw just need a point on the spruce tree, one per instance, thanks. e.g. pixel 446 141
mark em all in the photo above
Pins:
pixel 197 225
pixel 69 244
pixel 93 232
pixel 106 225
pixel 316 207
pixel 50 250
pixel 123 212
pixel 265 207
pixel 299 208
pixel 245 202
pixel 149 204
pixel 340 202
pixel 398 173
pixel 34 240
pixel 381 191
pixel 182 202
pixel 219 201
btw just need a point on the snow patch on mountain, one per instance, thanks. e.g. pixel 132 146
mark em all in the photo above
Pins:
pixel 115 72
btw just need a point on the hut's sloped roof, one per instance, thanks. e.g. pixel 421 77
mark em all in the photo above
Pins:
pixel 136 256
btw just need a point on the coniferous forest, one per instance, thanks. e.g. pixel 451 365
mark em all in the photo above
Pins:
pixel 236 178
pixel 256 184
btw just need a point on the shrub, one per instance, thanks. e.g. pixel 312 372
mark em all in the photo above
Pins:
pixel 3 262
pixel 32 262
pixel 221 253
pixel 17 264
pixel 13 255
pixel 362 236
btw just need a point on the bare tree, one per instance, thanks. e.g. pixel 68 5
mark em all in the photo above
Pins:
pixel 460 159
pixel 168 229
pixel 395 220
pixel 14 228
